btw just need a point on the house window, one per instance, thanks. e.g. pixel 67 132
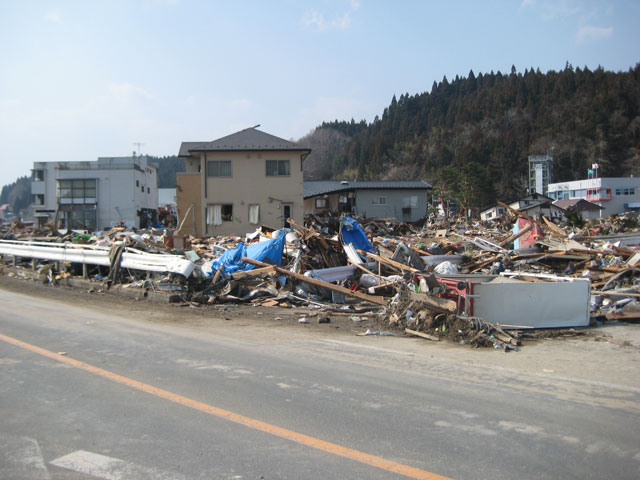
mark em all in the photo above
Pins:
pixel 254 214
pixel 77 191
pixel 343 199
pixel 142 188
pixel 137 183
pixel 216 214
pixel 379 200
pixel 38 175
pixel 38 199
pixel 278 168
pixel 148 190
pixel 219 168
pixel 411 202
pixel 321 203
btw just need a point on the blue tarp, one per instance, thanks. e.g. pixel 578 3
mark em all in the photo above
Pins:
pixel 352 233
pixel 269 251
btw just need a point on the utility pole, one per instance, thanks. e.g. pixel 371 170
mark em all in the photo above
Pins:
pixel 138 144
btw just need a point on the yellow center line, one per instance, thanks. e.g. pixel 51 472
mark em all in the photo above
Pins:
pixel 300 438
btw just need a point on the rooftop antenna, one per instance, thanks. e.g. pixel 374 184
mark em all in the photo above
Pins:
pixel 138 144
pixel 256 126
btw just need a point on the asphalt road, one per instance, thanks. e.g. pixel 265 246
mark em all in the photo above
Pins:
pixel 90 394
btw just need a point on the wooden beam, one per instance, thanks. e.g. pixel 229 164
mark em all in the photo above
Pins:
pixel 386 261
pixel 422 335
pixel 553 227
pixel 516 236
pixel 364 269
pixel 615 294
pixel 518 213
pixel 437 304
pixel 421 252
pixel 254 273
pixel 319 283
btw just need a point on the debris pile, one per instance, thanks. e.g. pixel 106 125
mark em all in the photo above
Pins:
pixel 476 284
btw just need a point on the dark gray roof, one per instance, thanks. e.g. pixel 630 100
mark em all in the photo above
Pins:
pixel 545 204
pixel 321 187
pixel 247 139
pixel 579 204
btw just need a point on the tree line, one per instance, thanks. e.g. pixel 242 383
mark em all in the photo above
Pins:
pixel 470 137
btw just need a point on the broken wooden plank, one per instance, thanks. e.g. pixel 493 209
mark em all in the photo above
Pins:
pixel 518 213
pixel 313 281
pixel 218 273
pixel 484 264
pixel 505 336
pixel 615 294
pixel 553 227
pixel 438 304
pixel 421 334
pixel 634 260
pixel 516 236
pixel 364 269
pixel 421 252
pixel 254 273
pixel 387 261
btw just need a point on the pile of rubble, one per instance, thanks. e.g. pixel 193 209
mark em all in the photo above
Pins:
pixel 474 284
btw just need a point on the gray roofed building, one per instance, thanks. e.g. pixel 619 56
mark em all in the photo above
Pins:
pixel 578 204
pixel 249 139
pixel 587 210
pixel 234 183
pixel 404 200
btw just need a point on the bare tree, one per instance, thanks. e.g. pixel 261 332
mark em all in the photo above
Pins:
pixel 326 144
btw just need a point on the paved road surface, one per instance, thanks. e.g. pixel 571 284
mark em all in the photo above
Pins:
pixel 87 394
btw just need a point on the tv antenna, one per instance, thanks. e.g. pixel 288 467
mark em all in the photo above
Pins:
pixel 138 144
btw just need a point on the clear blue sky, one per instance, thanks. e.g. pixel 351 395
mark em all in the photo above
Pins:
pixel 83 79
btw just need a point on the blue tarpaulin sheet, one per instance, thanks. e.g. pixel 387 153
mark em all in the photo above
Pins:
pixel 269 251
pixel 352 233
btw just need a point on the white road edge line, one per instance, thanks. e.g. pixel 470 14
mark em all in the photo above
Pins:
pixel 110 468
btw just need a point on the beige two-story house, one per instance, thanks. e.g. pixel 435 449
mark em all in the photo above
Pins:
pixel 238 182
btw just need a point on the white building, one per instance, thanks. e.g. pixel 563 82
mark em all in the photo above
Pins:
pixel 534 205
pixel 540 173
pixel 96 195
pixel 492 213
pixel 614 195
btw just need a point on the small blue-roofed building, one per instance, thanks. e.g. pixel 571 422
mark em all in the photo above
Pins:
pixel 403 200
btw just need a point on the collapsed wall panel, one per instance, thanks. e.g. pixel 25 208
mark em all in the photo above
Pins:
pixel 533 304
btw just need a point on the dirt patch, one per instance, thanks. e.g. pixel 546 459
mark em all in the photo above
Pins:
pixel 97 296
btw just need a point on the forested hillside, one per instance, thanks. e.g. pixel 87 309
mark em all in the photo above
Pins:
pixel 471 137
pixel 17 194
pixel 167 169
